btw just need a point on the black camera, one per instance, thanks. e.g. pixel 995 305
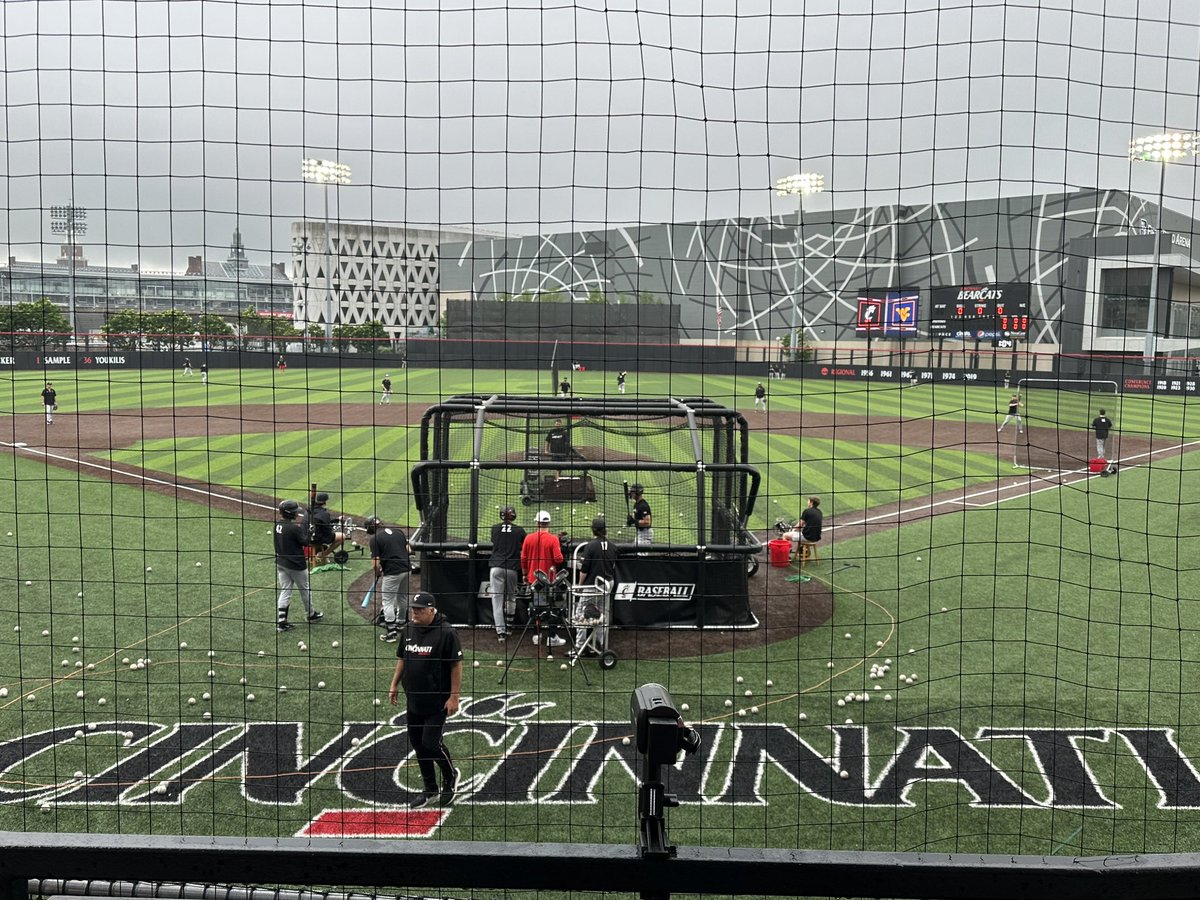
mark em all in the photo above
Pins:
pixel 661 732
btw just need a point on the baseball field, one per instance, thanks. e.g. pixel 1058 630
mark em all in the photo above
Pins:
pixel 997 651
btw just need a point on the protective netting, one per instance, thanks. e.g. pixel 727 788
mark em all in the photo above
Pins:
pixel 891 309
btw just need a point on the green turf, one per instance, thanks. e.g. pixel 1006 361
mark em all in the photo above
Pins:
pixel 1070 607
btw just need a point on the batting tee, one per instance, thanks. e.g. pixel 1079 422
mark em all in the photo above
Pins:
pixel 576 458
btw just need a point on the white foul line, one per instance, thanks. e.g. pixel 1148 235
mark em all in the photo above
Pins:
pixel 998 489
pixel 112 470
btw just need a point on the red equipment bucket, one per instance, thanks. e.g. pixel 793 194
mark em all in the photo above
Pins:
pixel 780 550
pixel 1097 465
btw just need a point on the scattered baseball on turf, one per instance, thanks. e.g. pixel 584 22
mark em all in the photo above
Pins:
pixel 843 774
pixel 66 662
pixel 879 687
pixel 232 532
pixel 919 558
pixel 739 679
pixel 133 667
pixel 91 726
pixel 911 650
pixel 183 645
pixel 241 681
pixel 250 698
pixel 79 772
pixel 206 696
pixel 28 583
pixel 841 702
pixel 378 701
pixel 888 662
pixel 199 564
pixel 80 594
pixel 124 660
pixel 849 635
pixel 212 674
pixel 102 701
pixel 943 609
pixel 880 643
pixel 10 533
pixel 913 676
pixel 46 808
pixel 499 662
pixel 79 733
pixel 684 707
pixel 625 740
pixel 162 788
pixel 45 632
pixel 149 568
pixel 829 665
pixel 803 717
pixel 741 712
pixel 207 714
pixel 212 653
pixel 76 649
pixel 264 652
pixel 140 664
pixel 887 697
pixel 339 643
pixel 749 693
pixel 191 701
pixel 283 689
pixel 563 666
pixel 728 703
pixel 32 697
pixel 475 664
pixel 79 694
pixel 849 721
pixel 770 683
pixel 79 663
pixel 754 709
pixel 320 684
pixel 75 639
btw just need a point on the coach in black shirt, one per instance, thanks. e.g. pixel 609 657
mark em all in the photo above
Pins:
pixel 291 566
pixel 598 559
pixel 429 666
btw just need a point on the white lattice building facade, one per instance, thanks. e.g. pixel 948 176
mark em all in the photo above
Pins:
pixel 380 273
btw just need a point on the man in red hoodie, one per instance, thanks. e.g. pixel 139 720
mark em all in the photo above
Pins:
pixel 541 551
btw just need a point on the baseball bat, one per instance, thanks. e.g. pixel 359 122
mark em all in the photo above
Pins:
pixel 370 593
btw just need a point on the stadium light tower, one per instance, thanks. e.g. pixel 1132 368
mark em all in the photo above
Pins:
pixel 71 222
pixel 799 185
pixel 1169 147
pixel 326 172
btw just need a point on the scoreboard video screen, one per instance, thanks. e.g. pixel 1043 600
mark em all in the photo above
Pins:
pixel 888 313
pixel 980 311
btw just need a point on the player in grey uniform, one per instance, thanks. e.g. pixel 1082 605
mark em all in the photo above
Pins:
pixel 507 540
pixel 391 558
pixel 291 566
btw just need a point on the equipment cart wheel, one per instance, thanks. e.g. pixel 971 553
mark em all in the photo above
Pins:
pixel 608 660
pixel 527 500
pixel 751 566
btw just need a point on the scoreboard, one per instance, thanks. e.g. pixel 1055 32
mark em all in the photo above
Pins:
pixel 890 313
pixel 980 311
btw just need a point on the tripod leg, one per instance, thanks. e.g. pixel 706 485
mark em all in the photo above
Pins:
pixel 516 649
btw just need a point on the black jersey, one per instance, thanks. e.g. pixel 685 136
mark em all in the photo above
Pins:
pixel 760 392
pixel 390 547
pixel 641 510
pixel 387 384
pixel 810 524
pixel 290 540
pixel 598 559
pixel 1103 425
pixel 49 396
pixel 506 546
pixel 430 654
pixel 322 525
pixel 1014 407
pixel 557 442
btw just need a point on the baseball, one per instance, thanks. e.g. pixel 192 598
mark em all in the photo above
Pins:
pixel 849 721
pixel 212 653
pixel 754 709
pixel 79 663
pixel 207 714
pixel 749 693
pixel 66 662
pixel 475 664
pixel 741 712
pixel 336 644
pixel 212 674
pixel 28 583
pixel 378 701
pixel 80 594
pixel 803 717
pixel 829 665
pixel 91 725
pixel 32 697
pixel 191 701
pixel 206 696
pixel 232 532
pixel 919 558
pixel 79 694
pixel 133 667
pixel 102 701
pixel 46 808
pixel 843 774
pixel 262 653
pixel 841 702
pixel 320 684
pixel 249 698
pixel 943 609
pixel 283 689
pixel 140 664
pixel 563 666
pixel 880 643
pixel 241 681
pixel 499 662
pixel 848 635
pixel 887 662
pixel 887 697
pixel 739 679
pixel 160 789
pixel 124 660
pixel 728 703
pixel 45 632
pixel 149 568
pixel 625 740
pixel 79 772
pixel 75 640
pixel 770 683
pixel 198 565
pixel 183 645
pixel 684 707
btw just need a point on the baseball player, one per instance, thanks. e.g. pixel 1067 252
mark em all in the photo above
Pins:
pixel 391 558
pixel 187 368
pixel 641 518
pixel 621 382
pixel 386 396
pixel 325 539
pixel 760 397
pixel 204 373
pixel 1102 425
pixel 50 401
pixel 1014 412
pixel 291 567
pixel 507 541
pixel 429 666
pixel 598 559
pixel 564 387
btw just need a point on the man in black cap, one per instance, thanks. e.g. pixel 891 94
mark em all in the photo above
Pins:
pixel 325 539
pixel 641 517
pixel 429 666
pixel 291 567
pixel 598 559
pixel 507 540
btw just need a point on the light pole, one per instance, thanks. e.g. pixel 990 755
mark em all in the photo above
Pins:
pixel 71 222
pixel 801 184
pixel 326 172
pixel 1169 147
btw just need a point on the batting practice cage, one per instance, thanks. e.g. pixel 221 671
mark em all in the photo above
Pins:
pixel 501 450
pixel 578 460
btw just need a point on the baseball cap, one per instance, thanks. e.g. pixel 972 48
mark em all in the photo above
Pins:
pixel 635 488
pixel 543 517
pixel 423 600
pixel 322 497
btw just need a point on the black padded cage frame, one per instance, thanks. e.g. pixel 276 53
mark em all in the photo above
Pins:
pixel 726 484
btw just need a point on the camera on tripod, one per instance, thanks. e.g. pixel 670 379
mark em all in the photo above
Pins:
pixel 661 734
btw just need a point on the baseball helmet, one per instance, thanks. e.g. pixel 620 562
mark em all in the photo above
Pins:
pixel 636 488
pixel 599 526
pixel 289 508
pixel 321 499
pixel 508 514
pixel 372 524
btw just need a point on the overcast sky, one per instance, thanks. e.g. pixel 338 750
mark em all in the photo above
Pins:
pixel 171 121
